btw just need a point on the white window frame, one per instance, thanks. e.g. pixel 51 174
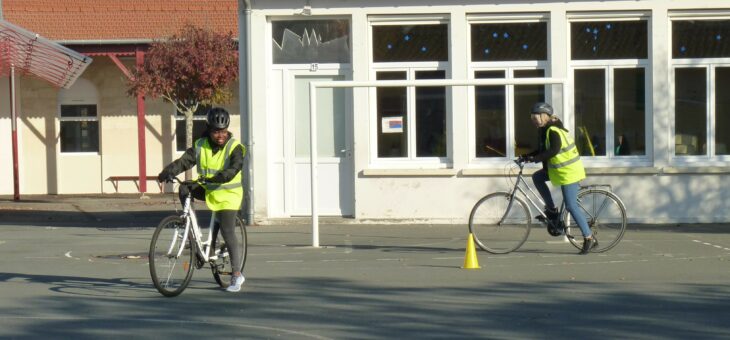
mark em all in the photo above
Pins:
pixel 508 67
pixel 410 68
pixel 609 65
pixel 709 64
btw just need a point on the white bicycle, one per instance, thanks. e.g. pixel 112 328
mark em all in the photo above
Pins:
pixel 178 247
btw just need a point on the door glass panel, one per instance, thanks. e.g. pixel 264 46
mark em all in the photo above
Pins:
pixel 590 112
pixel 331 112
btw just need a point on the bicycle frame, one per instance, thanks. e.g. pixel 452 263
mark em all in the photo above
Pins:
pixel 191 223
pixel 519 183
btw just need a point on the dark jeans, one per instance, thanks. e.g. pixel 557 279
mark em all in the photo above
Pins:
pixel 227 219
pixel 570 196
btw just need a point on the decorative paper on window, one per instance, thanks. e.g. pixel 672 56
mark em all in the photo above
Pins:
pixel 311 41
pixel 392 124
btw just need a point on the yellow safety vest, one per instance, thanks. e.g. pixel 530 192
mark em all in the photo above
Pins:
pixel 565 167
pixel 219 196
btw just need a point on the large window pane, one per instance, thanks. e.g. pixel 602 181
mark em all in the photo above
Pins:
pixel 526 135
pixel 490 120
pixel 392 113
pixel 590 111
pixel 311 41
pixel 410 43
pixel 509 41
pixel 79 136
pixel 199 126
pixel 629 111
pixel 609 40
pixel 722 111
pixel 430 117
pixel 700 39
pixel 78 111
pixel 690 102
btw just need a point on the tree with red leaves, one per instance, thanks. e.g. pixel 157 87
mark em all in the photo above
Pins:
pixel 194 66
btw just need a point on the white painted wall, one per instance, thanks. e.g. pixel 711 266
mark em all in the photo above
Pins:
pixel 660 192
pixel 6 155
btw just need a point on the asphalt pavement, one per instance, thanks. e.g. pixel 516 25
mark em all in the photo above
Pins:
pixel 76 267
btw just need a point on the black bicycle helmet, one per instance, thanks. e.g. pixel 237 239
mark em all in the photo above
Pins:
pixel 218 118
pixel 541 107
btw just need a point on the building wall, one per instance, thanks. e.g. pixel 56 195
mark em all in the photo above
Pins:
pixel 659 189
pixel 45 170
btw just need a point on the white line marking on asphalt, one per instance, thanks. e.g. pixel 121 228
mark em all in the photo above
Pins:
pixel 711 245
pixel 68 254
pixel 285 261
pixel 388 259
pixel 2 242
pixel 344 260
pixel 40 257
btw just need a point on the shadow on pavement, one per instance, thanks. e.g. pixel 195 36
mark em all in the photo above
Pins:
pixel 326 307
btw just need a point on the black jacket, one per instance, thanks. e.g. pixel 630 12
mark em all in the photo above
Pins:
pixel 543 154
pixel 187 161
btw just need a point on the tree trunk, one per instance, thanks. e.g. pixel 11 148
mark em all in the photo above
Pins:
pixel 188 137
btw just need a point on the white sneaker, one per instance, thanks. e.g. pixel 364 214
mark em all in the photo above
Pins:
pixel 236 282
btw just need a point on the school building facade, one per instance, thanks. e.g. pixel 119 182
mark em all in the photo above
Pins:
pixel 643 98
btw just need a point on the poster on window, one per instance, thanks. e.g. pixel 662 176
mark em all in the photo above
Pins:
pixel 392 124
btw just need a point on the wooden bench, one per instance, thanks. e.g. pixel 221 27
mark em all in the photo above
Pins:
pixel 116 179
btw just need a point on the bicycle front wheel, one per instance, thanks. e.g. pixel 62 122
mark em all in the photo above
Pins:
pixel 500 225
pixel 223 267
pixel 606 216
pixel 171 272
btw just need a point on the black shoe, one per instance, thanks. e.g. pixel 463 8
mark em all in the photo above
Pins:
pixel 588 245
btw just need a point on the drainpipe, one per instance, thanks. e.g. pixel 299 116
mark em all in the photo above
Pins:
pixel 244 86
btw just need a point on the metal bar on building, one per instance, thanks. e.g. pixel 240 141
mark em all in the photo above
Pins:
pixel 313 86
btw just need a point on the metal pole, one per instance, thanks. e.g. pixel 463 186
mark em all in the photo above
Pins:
pixel 139 55
pixel 244 88
pixel 313 161
pixel 14 125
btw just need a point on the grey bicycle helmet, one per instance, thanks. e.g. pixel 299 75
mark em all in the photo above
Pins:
pixel 541 107
pixel 218 118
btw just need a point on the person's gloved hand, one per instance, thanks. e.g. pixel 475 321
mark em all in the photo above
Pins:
pixel 164 176
pixel 526 158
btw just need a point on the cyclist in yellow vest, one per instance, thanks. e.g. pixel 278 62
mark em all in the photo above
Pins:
pixel 561 165
pixel 219 160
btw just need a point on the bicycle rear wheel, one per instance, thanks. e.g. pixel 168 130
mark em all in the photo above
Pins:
pixel 171 273
pixel 606 216
pixel 499 225
pixel 222 266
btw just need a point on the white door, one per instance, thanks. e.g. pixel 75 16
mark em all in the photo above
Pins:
pixel 334 149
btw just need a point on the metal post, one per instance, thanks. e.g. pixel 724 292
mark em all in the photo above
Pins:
pixel 313 161
pixel 14 124
pixel 139 55
pixel 244 88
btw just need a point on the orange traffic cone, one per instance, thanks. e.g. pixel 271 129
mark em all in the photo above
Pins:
pixel 470 258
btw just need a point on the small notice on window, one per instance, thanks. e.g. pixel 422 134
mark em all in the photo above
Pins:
pixel 392 124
